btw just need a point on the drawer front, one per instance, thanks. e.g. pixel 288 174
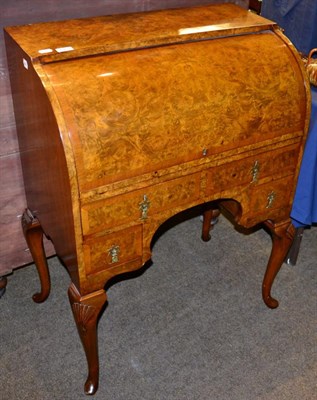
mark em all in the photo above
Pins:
pixel 271 200
pixel 140 204
pixel 252 170
pixel 271 196
pixel 113 250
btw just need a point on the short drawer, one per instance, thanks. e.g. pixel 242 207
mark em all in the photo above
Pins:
pixel 271 200
pixel 139 204
pixel 253 170
pixel 113 250
pixel 272 195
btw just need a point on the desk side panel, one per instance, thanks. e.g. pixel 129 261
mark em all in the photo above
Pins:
pixel 44 167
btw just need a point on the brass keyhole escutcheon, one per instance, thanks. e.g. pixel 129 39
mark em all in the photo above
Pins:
pixel 270 199
pixel 144 206
pixel 255 170
pixel 114 253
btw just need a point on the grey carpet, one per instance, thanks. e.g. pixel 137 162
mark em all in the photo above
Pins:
pixel 191 326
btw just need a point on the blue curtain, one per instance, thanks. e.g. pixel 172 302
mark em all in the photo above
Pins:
pixel 297 17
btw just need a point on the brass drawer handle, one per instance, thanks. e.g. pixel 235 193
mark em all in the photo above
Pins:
pixel 144 206
pixel 255 170
pixel 270 199
pixel 114 254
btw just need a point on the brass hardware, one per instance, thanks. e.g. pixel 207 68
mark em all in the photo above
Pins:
pixel 144 206
pixel 255 171
pixel 270 199
pixel 114 253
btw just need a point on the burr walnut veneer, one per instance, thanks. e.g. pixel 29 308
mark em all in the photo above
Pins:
pixel 124 121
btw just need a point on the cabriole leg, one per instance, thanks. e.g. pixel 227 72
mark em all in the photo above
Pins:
pixel 282 236
pixel 33 234
pixel 86 310
pixel 210 218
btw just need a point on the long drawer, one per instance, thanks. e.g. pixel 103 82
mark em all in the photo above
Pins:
pixel 140 204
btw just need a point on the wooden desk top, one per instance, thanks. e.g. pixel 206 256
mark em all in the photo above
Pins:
pixel 81 37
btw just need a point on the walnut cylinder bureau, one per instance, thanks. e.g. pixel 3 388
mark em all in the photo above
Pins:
pixel 125 121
